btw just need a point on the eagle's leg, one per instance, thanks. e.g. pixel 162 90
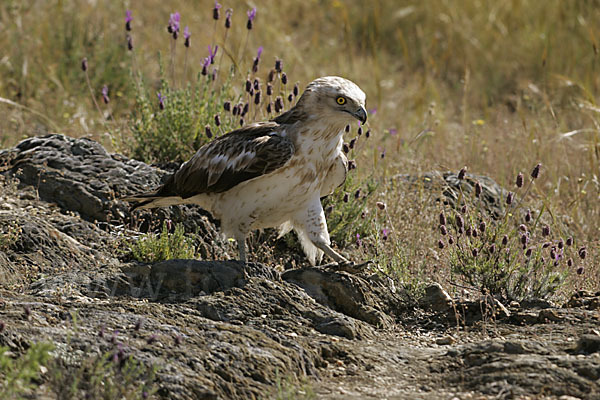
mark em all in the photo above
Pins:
pixel 241 241
pixel 331 252
pixel 314 224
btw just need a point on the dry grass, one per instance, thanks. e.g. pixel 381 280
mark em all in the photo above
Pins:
pixel 497 86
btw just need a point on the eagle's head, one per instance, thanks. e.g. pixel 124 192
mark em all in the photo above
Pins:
pixel 336 99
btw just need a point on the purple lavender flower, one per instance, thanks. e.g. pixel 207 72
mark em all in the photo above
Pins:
pixel 284 78
pixel 228 14
pixel 358 240
pixel 368 133
pixel 186 35
pixel 257 60
pixel 461 173
pixel 212 53
pixel 351 165
pixel 128 20
pixel 173 26
pixel 546 230
pixel 129 42
pixel 442 218
pixel 216 12
pixel 509 198
pixel 161 101
pixel 208 131
pixel 519 180
pixel 278 65
pixel 105 97
pixel 291 97
pixel 536 171
pixel 205 64
pixel 477 189
pixel 385 232
pixel 393 131
pixel 373 111
pixel 441 244
pixel 582 253
pixel 278 104
pixel 251 15
pixel 84 64
pixel 359 131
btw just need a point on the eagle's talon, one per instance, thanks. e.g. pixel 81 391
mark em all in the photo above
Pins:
pixel 348 266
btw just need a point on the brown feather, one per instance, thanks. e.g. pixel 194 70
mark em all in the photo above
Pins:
pixel 229 160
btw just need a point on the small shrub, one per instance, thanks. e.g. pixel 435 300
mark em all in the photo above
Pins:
pixel 9 234
pixel 112 375
pixel 19 376
pixel 515 257
pixel 164 246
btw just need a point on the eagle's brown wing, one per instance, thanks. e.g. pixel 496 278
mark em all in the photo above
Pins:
pixel 229 160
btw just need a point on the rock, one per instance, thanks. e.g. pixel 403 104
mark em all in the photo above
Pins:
pixel 547 315
pixel 436 298
pixel 588 344
pixel 348 294
pixel 585 299
pixel 492 194
pixel 185 278
pixel 445 340
pixel 80 176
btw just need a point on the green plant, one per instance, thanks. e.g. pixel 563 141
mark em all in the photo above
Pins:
pixel 164 246
pixel 18 376
pixel 111 375
pixel 289 389
pixel 515 257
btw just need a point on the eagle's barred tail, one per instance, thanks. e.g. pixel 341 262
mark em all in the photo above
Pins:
pixel 139 201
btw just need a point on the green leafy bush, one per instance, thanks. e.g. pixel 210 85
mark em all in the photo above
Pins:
pixel 164 246
pixel 18 376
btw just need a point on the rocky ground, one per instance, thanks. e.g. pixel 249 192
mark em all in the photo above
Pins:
pixel 217 330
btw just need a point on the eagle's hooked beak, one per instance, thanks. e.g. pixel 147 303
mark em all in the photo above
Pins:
pixel 361 115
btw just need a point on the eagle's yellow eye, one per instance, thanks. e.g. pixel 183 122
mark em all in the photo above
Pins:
pixel 341 100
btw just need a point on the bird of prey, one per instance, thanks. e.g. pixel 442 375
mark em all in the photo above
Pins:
pixel 273 173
